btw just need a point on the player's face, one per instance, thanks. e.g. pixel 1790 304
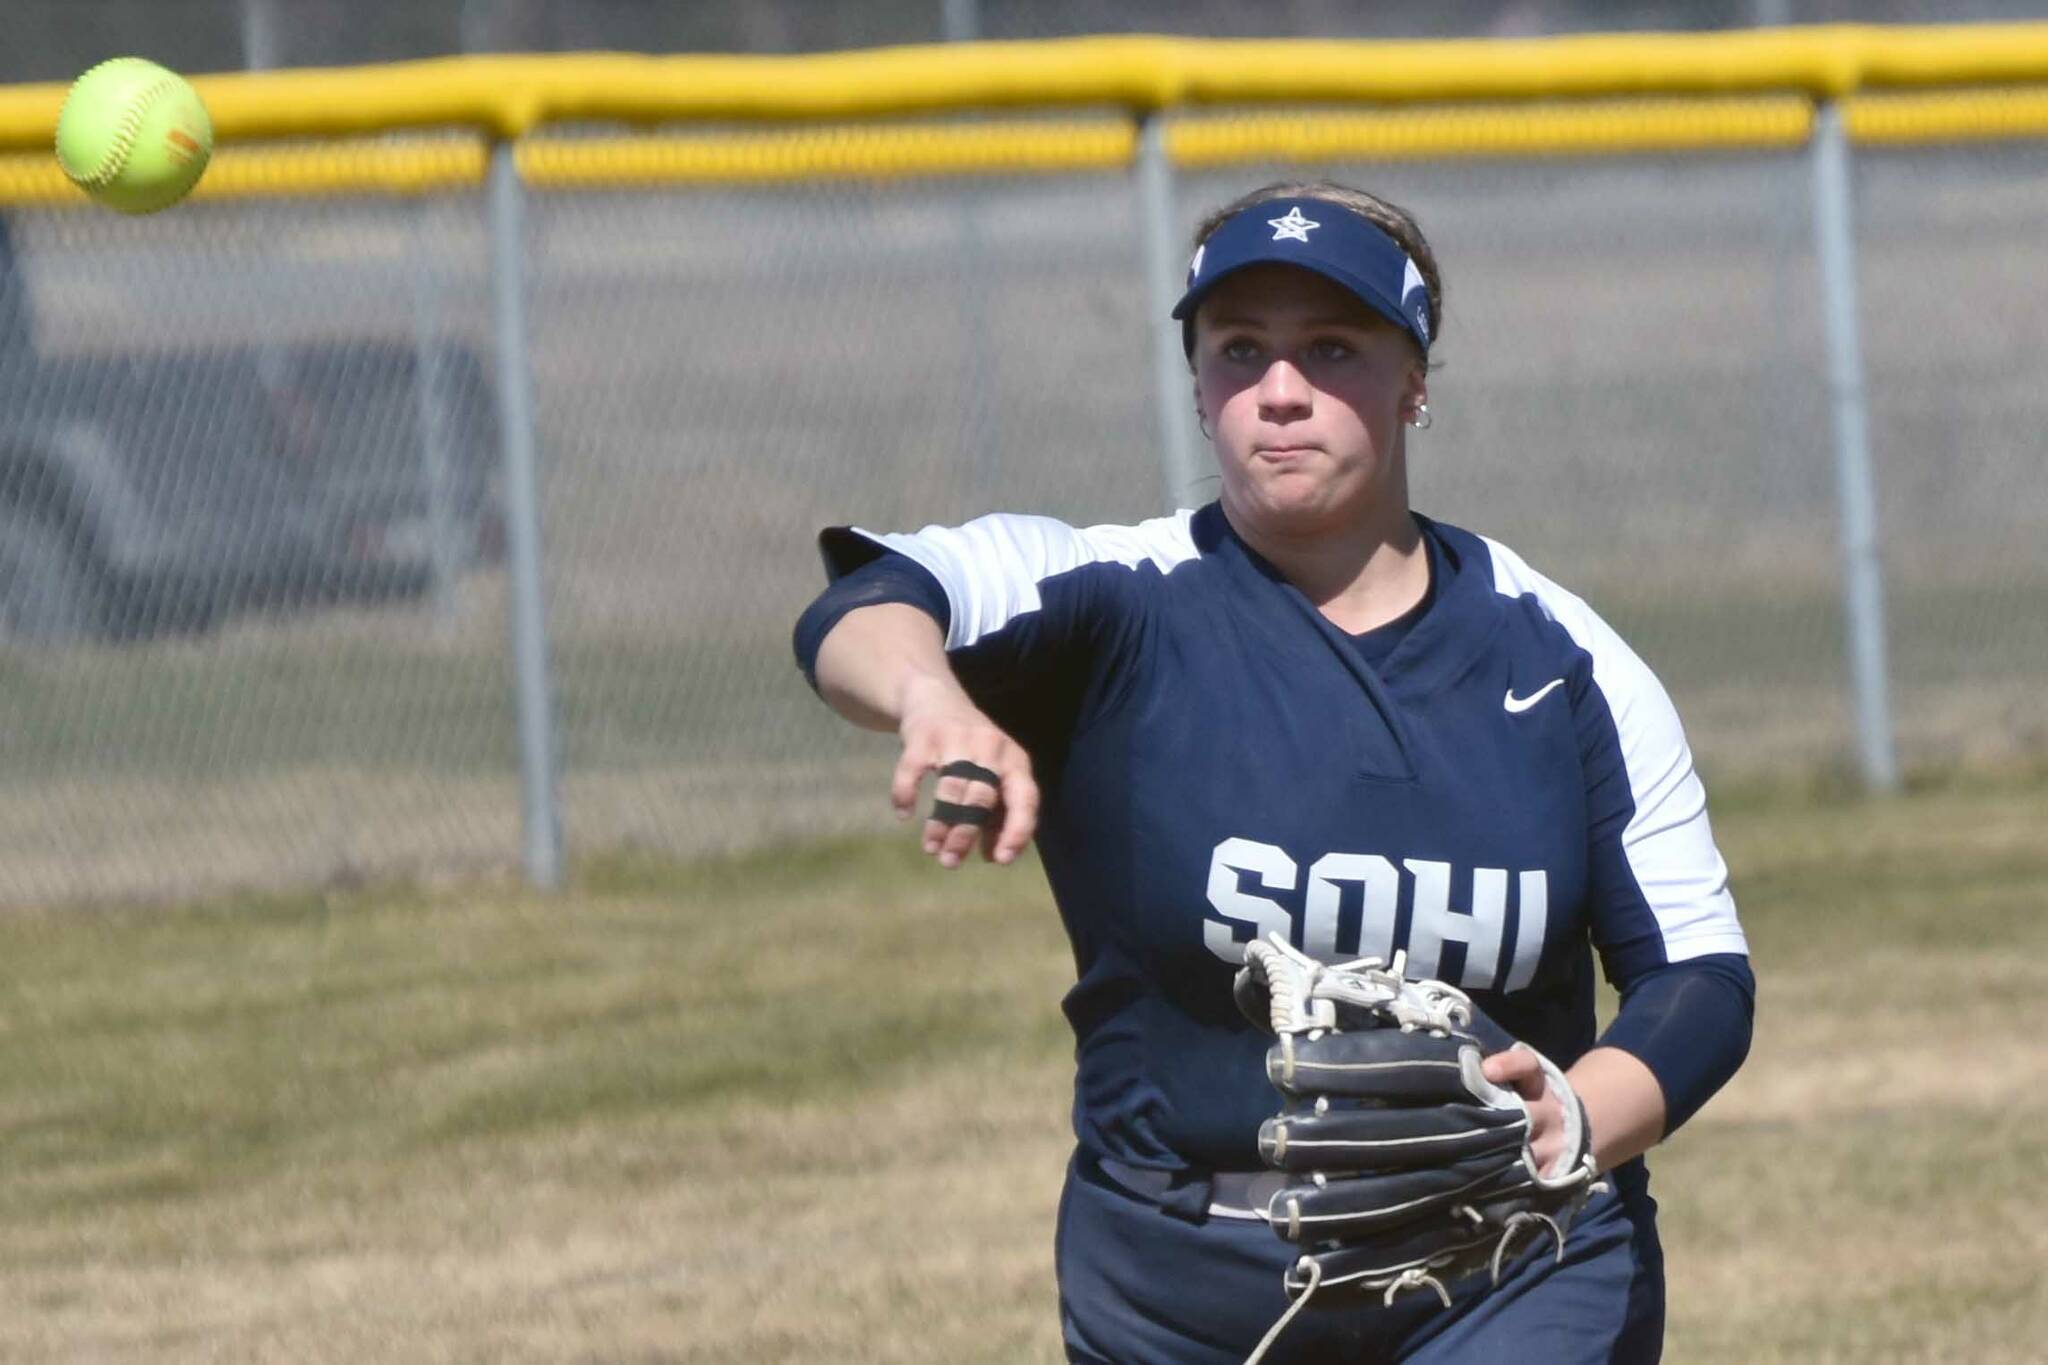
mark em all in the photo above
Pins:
pixel 1306 390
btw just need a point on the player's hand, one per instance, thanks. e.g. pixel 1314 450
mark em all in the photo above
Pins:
pixel 1519 1071
pixel 941 728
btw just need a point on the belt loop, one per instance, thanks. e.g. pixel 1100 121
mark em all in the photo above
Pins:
pixel 1189 1196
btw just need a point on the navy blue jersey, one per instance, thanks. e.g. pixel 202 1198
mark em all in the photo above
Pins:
pixel 1504 793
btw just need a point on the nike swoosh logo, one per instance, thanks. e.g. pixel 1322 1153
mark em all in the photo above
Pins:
pixel 1516 705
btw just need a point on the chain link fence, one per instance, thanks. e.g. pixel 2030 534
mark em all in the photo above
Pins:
pixel 251 553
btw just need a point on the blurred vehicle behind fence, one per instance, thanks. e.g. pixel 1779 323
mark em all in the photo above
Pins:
pixel 161 491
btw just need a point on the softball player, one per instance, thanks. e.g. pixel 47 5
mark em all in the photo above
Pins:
pixel 1305 708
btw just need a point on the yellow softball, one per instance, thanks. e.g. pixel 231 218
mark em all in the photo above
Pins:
pixel 133 135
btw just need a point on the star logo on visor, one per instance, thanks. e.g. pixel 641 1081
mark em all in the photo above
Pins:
pixel 1292 228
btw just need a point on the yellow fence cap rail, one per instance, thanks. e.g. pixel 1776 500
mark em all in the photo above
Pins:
pixel 899 149
pixel 508 96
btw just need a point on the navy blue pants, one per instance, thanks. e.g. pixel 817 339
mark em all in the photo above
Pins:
pixel 1151 1282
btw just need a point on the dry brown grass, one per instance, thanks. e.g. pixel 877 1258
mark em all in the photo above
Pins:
pixel 812 1108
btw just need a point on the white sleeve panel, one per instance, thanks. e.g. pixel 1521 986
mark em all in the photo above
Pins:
pixel 1668 841
pixel 991 567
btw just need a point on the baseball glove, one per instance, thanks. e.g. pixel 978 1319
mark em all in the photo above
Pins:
pixel 1409 1169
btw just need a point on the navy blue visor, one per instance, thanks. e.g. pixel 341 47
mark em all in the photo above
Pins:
pixel 1317 235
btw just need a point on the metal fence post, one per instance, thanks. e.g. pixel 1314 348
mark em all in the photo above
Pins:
pixel 1165 272
pixel 430 393
pixel 534 699
pixel 961 23
pixel 960 20
pixel 1863 581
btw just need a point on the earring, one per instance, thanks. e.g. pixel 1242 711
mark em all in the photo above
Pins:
pixel 1421 420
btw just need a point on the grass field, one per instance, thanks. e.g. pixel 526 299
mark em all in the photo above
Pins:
pixel 811 1106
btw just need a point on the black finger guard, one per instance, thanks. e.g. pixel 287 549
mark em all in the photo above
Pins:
pixel 953 813
pixel 973 772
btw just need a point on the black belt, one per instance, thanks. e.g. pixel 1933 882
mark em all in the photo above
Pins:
pixel 1190 1194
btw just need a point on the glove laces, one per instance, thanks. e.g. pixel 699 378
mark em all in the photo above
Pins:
pixel 1315 1278
pixel 1302 993
pixel 1414 1277
pixel 1516 1222
pixel 1373 983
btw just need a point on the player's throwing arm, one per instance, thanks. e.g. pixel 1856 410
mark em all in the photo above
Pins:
pixel 884 667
